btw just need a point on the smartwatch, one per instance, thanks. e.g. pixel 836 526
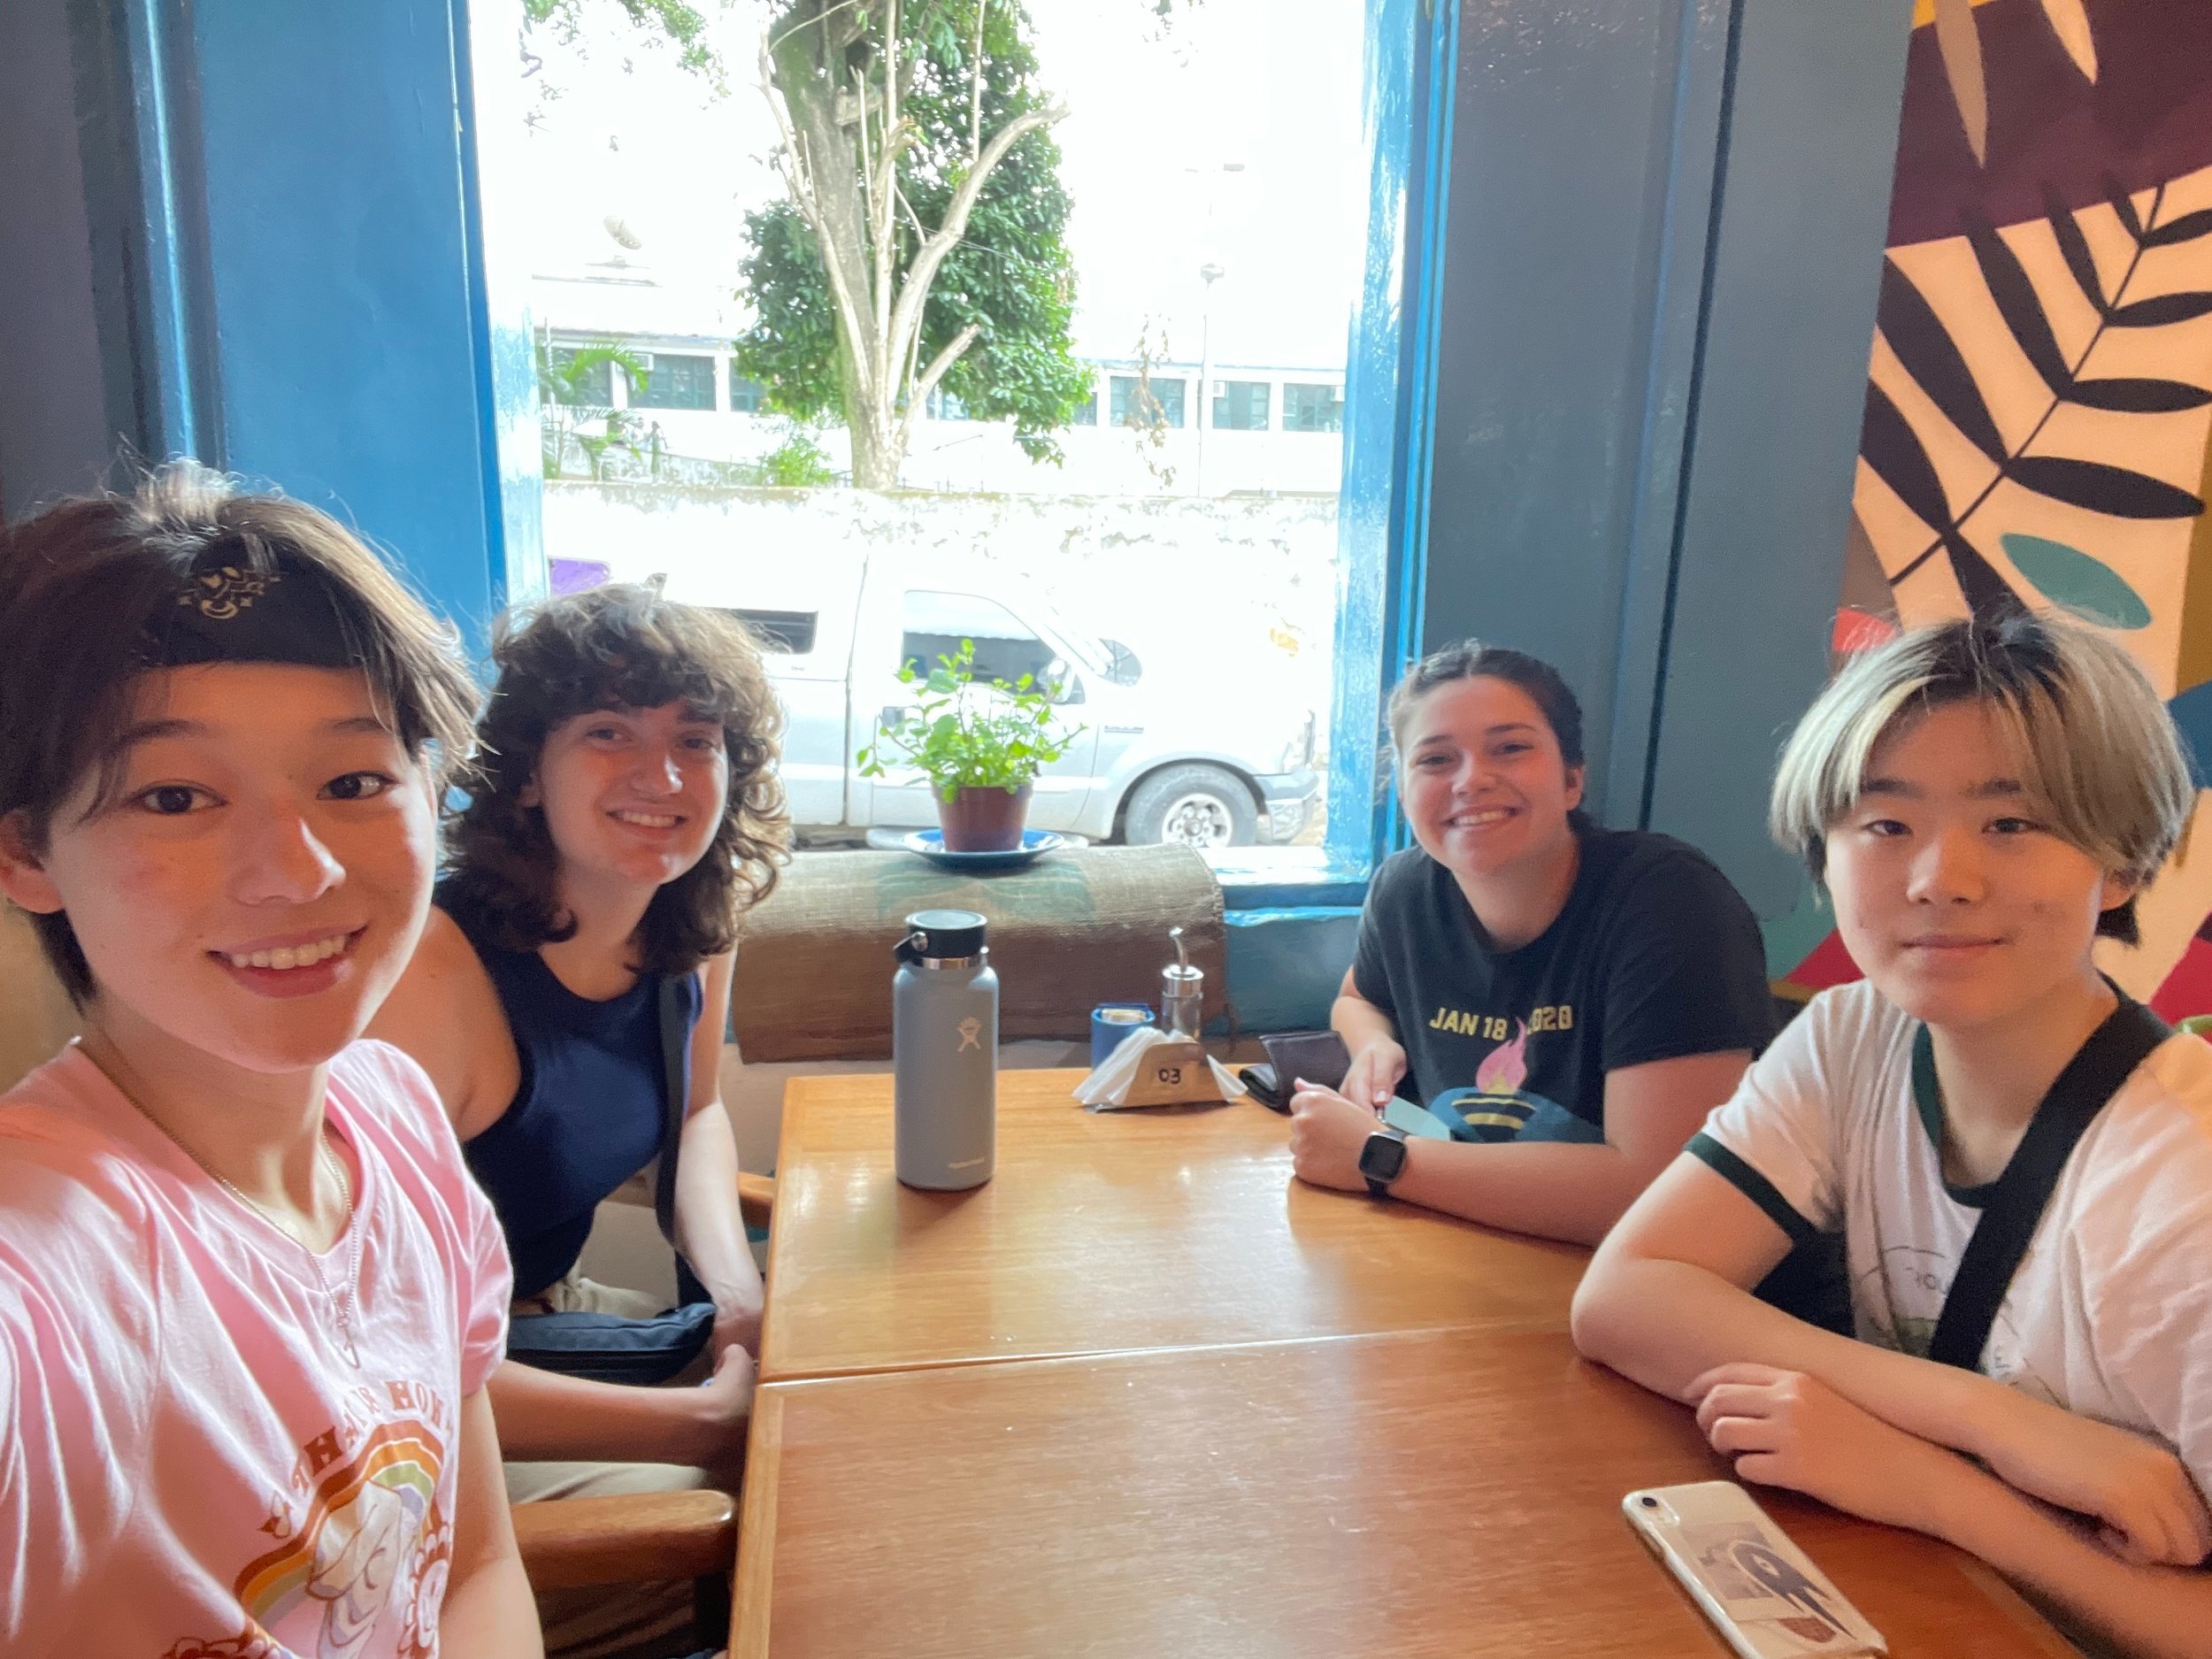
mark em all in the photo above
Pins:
pixel 1382 1159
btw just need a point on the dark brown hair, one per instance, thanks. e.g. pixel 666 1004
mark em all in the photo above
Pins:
pixel 1471 659
pixel 621 646
pixel 84 586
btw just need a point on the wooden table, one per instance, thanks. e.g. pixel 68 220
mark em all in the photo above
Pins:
pixel 1103 1231
pixel 1450 1493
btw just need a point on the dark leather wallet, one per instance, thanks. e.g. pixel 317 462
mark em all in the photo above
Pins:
pixel 1318 1056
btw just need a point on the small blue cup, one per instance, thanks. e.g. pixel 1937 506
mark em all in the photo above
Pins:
pixel 1111 1023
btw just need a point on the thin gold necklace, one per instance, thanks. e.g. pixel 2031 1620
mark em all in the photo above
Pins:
pixel 341 1301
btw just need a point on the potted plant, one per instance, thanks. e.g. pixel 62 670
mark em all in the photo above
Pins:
pixel 979 745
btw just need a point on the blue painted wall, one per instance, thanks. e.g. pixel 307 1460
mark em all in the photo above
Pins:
pixel 283 254
pixel 1582 176
pixel 346 295
pixel 1665 234
pixel 1284 967
pixel 1811 149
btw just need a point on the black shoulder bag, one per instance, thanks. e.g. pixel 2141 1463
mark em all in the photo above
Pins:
pixel 606 1346
pixel 2019 1196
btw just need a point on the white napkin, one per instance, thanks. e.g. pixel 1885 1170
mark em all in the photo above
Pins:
pixel 1107 1088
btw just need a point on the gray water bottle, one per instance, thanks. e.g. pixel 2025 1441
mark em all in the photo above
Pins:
pixel 944 1053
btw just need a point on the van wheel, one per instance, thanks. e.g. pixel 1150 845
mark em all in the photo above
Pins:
pixel 1192 806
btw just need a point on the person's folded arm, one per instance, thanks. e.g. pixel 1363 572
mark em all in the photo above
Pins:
pixel 1668 1295
pixel 1789 1429
pixel 488 1612
pixel 1552 1189
pixel 1668 1302
pixel 2149 1611
pixel 1576 1192
pixel 545 1415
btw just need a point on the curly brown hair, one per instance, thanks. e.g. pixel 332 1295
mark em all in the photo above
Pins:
pixel 620 646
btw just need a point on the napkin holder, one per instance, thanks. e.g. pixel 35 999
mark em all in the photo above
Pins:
pixel 1174 1073
pixel 1152 1068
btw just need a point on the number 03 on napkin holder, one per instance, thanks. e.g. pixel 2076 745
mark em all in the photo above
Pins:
pixel 1173 1074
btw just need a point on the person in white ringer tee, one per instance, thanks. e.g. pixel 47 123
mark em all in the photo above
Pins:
pixel 1984 801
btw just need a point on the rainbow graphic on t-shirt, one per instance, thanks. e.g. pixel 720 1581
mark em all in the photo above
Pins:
pixel 370 1530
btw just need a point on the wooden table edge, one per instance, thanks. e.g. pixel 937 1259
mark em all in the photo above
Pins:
pixel 776 1234
pixel 1533 1324
pixel 753 1579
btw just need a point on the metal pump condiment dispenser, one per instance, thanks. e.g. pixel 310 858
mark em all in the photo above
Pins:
pixel 1176 1071
pixel 1182 992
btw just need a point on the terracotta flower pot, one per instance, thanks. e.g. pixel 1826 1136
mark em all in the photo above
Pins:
pixel 983 820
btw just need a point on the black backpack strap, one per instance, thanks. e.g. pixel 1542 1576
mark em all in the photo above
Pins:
pixel 2018 1197
pixel 675 1090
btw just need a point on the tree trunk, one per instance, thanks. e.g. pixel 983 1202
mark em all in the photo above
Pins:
pixel 877 456
pixel 842 140
pixel 806 65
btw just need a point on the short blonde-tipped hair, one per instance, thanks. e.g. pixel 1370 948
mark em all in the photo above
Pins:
pixel 2097 751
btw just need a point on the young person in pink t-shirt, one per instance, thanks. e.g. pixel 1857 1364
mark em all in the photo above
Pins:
pixel 248 1296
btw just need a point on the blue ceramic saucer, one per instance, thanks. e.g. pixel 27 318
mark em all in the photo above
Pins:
pixel 930 845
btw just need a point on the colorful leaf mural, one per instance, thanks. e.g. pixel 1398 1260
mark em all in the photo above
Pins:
pixel 2038 424
pixel 2070 23
pixel 2067 577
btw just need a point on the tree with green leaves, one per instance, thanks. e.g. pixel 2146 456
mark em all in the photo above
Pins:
pixel 575 401
pixel 922 245
pixel 684 26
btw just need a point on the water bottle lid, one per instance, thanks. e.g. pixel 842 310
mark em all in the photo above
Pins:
pixel 942 934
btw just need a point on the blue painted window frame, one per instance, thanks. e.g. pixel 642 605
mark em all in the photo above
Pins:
pixel 1389 406
pixel 275 195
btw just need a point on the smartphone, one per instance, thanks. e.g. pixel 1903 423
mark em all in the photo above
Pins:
pixel 1763 1594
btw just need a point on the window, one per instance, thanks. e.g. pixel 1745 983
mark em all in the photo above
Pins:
pixel 1312 409
pixel 676 381
pixel 1204 285
pixel 1241 406
pixel 1137 403
pixel 782 632
pixel 594 385
pixel 1005 646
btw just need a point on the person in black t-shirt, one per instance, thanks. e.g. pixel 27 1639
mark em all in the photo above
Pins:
pixel 1571 999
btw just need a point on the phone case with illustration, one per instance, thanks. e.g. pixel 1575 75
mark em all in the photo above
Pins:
pixel 1762 1593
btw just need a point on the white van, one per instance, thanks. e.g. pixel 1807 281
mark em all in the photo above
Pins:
pixel 1151 763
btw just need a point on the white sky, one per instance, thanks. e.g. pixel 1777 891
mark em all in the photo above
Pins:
pixel 1274 84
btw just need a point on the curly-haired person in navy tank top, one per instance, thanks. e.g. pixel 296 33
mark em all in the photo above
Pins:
pixel 623 814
